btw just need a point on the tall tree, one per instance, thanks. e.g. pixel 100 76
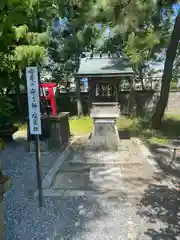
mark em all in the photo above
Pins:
pixel 67 46
pixel 167 74
pixel 22 43
pixel 131 19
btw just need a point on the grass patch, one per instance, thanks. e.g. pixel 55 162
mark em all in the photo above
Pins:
pixel 81 126
pixel 170 128
pixel 84 125
pixel 124 123
pixel 160 140
pixel 21 123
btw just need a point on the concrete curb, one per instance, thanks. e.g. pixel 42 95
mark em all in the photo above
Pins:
pixel 86 193
pixel 147 154
pixel 150 158
pixel 50 193
pixel 49 177
pixel 117 135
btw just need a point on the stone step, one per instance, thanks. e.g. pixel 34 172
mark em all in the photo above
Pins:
pixel 105 157
pixel 81 167
pixel 70 180
pixel 104 177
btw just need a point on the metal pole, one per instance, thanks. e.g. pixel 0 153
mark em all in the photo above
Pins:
pixel 40 198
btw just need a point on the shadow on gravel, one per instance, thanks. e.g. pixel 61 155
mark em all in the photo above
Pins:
pixel 167 162
pixel 160 207
pixel 160 204
pixel 77 218
pixel 84 217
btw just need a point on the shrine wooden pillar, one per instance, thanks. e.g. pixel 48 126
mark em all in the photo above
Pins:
pixel 93 89
pixel 90 93
pixel 117 89
pixel 131 102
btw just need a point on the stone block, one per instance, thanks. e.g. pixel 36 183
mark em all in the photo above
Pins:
pixel 55 133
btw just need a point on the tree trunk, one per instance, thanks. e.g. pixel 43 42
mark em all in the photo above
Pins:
pixel 78 98
pixel 18 94
pixel 77 58
pixel 141 76
pixel 131 101
pixel 167 75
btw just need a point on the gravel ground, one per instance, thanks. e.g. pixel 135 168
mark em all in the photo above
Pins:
pixel 23 219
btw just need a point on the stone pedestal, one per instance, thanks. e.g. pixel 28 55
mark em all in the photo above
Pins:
pixel 105 134
pixel 105 110
pixel 55 132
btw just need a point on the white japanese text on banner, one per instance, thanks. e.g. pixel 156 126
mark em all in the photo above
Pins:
pixel 33 100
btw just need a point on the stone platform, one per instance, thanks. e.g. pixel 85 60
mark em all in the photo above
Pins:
pixel 89 170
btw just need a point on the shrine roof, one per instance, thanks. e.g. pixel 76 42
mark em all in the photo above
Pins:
pixel 105 66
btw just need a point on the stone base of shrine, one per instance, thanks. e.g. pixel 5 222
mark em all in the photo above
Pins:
pixel 105 134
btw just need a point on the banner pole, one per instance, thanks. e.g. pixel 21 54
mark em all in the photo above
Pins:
pixel 39 185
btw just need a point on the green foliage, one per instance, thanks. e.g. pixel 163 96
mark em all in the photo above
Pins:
pixel 21 32
pixel 139 46
pixel 6 108
pixel 67 45
pixel 18 46
pixel 38 38
pixel 27 55
pixel 142 27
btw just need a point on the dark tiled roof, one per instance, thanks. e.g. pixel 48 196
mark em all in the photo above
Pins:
pixel 104 66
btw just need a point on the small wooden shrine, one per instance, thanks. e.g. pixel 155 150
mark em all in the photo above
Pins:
pixel 105 73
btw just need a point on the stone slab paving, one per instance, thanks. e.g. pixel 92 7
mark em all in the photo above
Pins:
pixel 113 182
pixel 104 170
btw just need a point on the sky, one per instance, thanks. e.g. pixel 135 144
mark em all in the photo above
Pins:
pixel 176 8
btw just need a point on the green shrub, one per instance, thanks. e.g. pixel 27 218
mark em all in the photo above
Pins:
pixel 6 109
pixel 174 85
pixel 1 144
